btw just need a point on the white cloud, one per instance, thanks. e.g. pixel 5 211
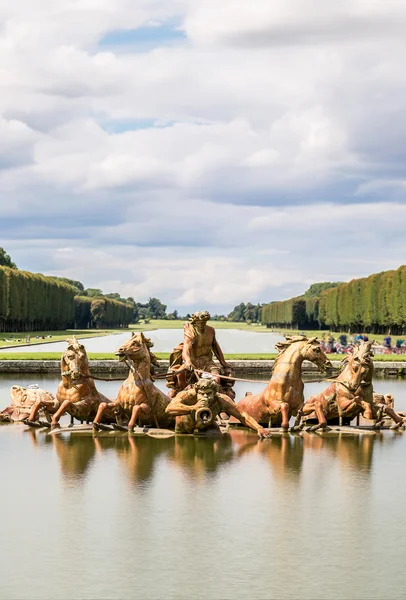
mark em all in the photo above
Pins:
pixel 270 135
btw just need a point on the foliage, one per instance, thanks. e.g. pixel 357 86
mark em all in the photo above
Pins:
pixel 5 260
pixel 374 304
pixel 245 312
pixel 102 312
pixel 73 282
pixel 30 302
pixel 93 292
pixel 153 309
pixel 316 288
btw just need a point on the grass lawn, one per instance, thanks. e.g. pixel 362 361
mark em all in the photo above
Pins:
pixel 165 356
pixel 377 337
pixel 178 324
pixel 19 339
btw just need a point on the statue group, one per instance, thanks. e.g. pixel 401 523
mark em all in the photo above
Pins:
pixel 201 398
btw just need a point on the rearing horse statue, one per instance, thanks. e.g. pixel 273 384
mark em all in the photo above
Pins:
pixel 350 395
pixel 283 396
pixel 76 394
pixel 138 400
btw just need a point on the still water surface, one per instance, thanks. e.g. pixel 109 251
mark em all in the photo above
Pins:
pixel 119 517
pixel 232 341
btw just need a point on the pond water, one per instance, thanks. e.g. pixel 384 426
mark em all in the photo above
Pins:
pixel 119 517
pixel 232 341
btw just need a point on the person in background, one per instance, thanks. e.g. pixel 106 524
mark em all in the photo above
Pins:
pixel 343 340
pixel 330 343
pixel 387 342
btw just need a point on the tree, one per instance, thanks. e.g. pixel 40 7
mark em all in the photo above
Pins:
pixel 114 296
pixel 237 314
pixel 156 309
pixel 250 313
pixel 5 260
pixel 93 292
pixel 74 283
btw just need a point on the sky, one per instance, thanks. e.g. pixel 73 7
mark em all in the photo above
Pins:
pixel 207 153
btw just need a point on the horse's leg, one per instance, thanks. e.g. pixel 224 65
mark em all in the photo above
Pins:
pixel 398 421
pixel 35 408
pixel 137 410
pixel 59 413
pixel 321 417
pixel 99 415
pixel 300 413
pixel 32 420
pixel 285 416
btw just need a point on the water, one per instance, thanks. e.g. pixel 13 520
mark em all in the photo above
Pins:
pixel 232 341
pixel 118 517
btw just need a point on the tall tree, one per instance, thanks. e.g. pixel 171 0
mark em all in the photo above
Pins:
pixel 93 292
pixel 156 309
pixel 5 260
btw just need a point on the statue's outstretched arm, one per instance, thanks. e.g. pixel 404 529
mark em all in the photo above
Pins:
pixel 219 353
pixel 182 404
pixel 229 407
pixel 187 351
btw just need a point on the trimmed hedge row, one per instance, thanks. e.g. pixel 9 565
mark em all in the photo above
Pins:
pixel 375 304
pixel 34 302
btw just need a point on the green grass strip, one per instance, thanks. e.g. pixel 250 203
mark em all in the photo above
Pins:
pixel 165 356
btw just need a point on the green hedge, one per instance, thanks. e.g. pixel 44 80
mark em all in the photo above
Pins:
pixel 375 304
pixel 34 302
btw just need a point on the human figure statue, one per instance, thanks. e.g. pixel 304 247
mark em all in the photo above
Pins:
pixel 197 352
pixel 198 407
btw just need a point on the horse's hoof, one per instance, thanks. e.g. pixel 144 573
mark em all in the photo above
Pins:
pixel 44 423
pixel 395 426
pixel 315 428
pixel 104 427
pixel 145 430
pixel 309 429
pixel 295 429
pixel 96 426
pixel 119 427
pixel 33 423
pixel 55 426
pixel 327 428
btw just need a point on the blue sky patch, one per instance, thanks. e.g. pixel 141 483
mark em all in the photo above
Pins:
pixel 143 38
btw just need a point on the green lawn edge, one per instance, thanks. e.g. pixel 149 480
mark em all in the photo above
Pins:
pixel 165 356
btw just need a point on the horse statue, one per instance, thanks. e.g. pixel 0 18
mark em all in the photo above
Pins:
pixel 283 396
pixel 77 394
pixel 22 401
pixel 350 395
pixel 138 401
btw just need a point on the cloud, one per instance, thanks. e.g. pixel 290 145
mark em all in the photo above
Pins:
pixel 277 22
pixel 202 152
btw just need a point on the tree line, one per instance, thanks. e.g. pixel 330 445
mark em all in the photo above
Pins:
pixel 374 304
pixel 35 302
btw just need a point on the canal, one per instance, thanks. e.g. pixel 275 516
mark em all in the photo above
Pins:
pixel 120 517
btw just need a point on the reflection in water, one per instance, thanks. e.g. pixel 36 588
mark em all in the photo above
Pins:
pixel 197 457
pixel 135 515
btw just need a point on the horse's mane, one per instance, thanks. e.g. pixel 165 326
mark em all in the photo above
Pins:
pixel 153 359
pixel 289 340
pixel 73 342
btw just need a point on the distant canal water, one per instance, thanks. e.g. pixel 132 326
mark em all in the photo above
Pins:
pixel 118 517
pixel 232 341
